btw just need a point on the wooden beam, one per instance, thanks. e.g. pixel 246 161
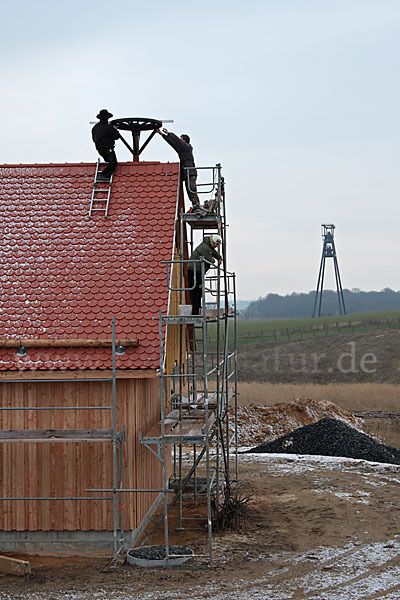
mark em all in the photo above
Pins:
pixel 97 374
pixel 69 343
pixel 55 435
pixel 14 566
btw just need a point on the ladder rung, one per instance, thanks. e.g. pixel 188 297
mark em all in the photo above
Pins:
pixel 100 190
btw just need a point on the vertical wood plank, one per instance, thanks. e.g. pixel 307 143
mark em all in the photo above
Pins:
pixel 69 457
pixel 32 508
pixel 67 469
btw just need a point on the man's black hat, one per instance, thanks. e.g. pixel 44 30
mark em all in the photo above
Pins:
pixel 104 115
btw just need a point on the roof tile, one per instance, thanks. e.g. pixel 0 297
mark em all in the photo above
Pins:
pixel 65 275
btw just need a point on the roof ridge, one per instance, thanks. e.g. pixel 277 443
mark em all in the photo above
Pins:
pixel 85 164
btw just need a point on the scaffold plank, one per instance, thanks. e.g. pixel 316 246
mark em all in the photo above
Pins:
pixel 209 222
pixel 191 427
pixel 170 420
pixel 194 427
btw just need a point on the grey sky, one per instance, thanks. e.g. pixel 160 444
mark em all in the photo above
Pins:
pixel 298 99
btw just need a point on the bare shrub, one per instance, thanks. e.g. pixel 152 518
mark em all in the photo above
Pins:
pixel 233 512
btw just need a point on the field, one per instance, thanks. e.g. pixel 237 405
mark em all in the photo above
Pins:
pixel 283 330
pixel 370 356
pixel 253 325
pixel 351 397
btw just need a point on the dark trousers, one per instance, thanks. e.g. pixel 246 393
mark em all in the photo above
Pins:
pixel 109 157
pixel 191 188
pixel 196 293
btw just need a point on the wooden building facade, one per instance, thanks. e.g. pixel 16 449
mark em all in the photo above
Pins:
pixel 71 275
pixel 68 468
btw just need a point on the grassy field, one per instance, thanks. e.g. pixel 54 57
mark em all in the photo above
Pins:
pixel 283 330
pixel 352 397
pixel 252 325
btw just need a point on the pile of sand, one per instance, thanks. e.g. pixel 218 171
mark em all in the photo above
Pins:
pixel 260 424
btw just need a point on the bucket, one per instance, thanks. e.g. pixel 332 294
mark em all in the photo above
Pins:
pixel 185 310
pixel 154 556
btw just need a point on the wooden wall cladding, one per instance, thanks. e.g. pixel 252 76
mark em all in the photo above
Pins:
pixel 176 334
pixel 68 468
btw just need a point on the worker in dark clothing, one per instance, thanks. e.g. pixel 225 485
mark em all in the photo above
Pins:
pixel 104 136
pixel 185 152
pixel 206 250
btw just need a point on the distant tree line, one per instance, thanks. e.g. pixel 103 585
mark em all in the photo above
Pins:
pixel 300 305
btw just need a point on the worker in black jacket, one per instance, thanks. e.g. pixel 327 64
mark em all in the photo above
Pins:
pixel 104 136
pixel 185 152
pixel 207 250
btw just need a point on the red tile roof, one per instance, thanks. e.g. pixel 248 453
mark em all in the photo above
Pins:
pixel 65 275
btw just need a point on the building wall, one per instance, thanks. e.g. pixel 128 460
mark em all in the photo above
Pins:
pixel 67 469
pixel 176 334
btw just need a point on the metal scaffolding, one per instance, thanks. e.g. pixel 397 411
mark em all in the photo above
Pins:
pixel 197 397
pixel 113 436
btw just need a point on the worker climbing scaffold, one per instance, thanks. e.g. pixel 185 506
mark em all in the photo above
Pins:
pixel 207 250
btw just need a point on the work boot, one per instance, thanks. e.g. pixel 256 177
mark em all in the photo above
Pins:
pixel 101 177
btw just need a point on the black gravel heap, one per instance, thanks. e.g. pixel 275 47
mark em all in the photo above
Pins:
pixel 329 437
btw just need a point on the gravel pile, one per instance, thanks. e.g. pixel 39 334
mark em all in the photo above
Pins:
pixel 261 424
pixel 158 552
pixel 329 437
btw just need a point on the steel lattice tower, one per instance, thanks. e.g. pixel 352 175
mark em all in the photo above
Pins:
pixel 328 251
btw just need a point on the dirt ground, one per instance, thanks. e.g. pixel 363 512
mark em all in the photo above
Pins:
pixel 319 529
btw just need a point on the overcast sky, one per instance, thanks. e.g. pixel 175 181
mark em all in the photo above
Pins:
pixel 299 100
